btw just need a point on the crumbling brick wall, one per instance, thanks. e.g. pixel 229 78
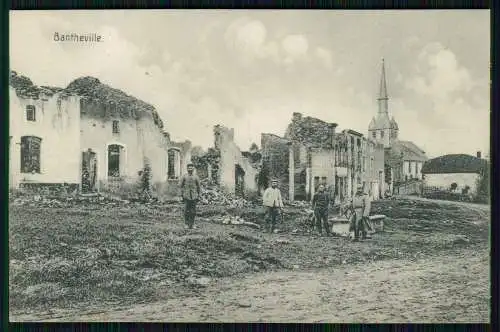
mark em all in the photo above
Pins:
pixel 311 131
pixel 207 165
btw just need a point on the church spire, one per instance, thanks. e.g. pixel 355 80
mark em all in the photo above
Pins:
pixel 383 107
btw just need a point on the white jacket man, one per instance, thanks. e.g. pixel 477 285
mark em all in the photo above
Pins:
pixel 274 203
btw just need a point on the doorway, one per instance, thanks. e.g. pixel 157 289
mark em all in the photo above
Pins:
pixel 89 171
pixel 239 181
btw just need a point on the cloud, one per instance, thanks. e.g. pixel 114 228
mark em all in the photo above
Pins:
pixel 325 56
pixel 250 41
pixel 447 86
pixel 411 42
pixel 116 61
pixel 248 38
pixel 252 73
pixel 440 73
pixel 295 47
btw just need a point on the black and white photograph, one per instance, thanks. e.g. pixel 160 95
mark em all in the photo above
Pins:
pixel 277 166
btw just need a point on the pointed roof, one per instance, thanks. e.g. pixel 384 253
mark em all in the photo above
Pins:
pixel 373 124
pixel 383 121
pixel 382 95
pixel 394 124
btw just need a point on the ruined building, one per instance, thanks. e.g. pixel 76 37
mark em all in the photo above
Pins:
pixel 358 160
pixel 226 166
pixel 88 135
pixel 312 153
pixel 235 171
pixel 403 159
pixel 312 144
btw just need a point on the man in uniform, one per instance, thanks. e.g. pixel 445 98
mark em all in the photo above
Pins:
pixel 273 203
pixel 321 203
pixel 190 188
pixel 361 205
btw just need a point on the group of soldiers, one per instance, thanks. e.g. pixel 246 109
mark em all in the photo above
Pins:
pixel 359 206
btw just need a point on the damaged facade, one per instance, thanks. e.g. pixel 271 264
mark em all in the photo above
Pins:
pixel 312 153
pixel 226 166
pixel 359 161
pixel 108 137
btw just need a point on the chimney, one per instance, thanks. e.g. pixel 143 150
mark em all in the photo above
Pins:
pixel 478 154
pixel 296 116
pixel 332 128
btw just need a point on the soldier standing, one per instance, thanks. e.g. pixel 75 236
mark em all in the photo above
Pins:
pixel 361 205
pixel 273 203
pixel 321 203
pixel 190 188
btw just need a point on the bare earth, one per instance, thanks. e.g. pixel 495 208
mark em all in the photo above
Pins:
pixel 433 267
pixel 429 290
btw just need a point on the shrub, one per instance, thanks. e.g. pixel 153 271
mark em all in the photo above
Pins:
pixel 483 188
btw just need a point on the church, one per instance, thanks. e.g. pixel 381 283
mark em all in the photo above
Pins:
pixel 403 159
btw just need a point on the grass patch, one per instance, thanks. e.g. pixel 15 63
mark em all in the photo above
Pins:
pixel 82 255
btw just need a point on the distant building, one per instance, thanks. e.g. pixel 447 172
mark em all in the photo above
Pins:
pixel 403 159
pixel 382 129
pixel 460 169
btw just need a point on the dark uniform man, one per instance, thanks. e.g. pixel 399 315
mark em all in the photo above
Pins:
pixel 321 203
pixel 190 188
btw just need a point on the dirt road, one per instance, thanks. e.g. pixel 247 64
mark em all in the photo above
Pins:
pixel 129 263
pixel 482 209
pixel 437 289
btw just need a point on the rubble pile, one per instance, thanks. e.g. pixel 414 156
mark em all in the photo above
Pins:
pixel 310 131
pixel 25 199
pixel 300 204
pixel 24 86
pixel 212 194
pixel 235 220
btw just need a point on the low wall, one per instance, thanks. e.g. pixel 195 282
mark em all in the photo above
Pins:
pixel 411 188
pixel 50 189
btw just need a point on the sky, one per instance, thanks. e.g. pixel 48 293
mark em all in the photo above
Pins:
pixel 250 70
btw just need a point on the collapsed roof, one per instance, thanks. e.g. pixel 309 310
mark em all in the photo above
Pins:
pixel 92 92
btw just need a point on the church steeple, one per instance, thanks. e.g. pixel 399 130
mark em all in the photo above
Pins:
pixel 383 107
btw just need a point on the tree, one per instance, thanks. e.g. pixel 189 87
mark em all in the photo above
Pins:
pixel 453 186
pixel 263 177
pixel 146 177
pixel 387 173
pixel 483 186
pixel 253 148
pixel 197 151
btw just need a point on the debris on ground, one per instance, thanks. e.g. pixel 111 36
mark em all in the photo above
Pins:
pixel 301 204
pixel 110 247
pixel 212 194
pixel 235 220
pixel 199 282
pixel 282 241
